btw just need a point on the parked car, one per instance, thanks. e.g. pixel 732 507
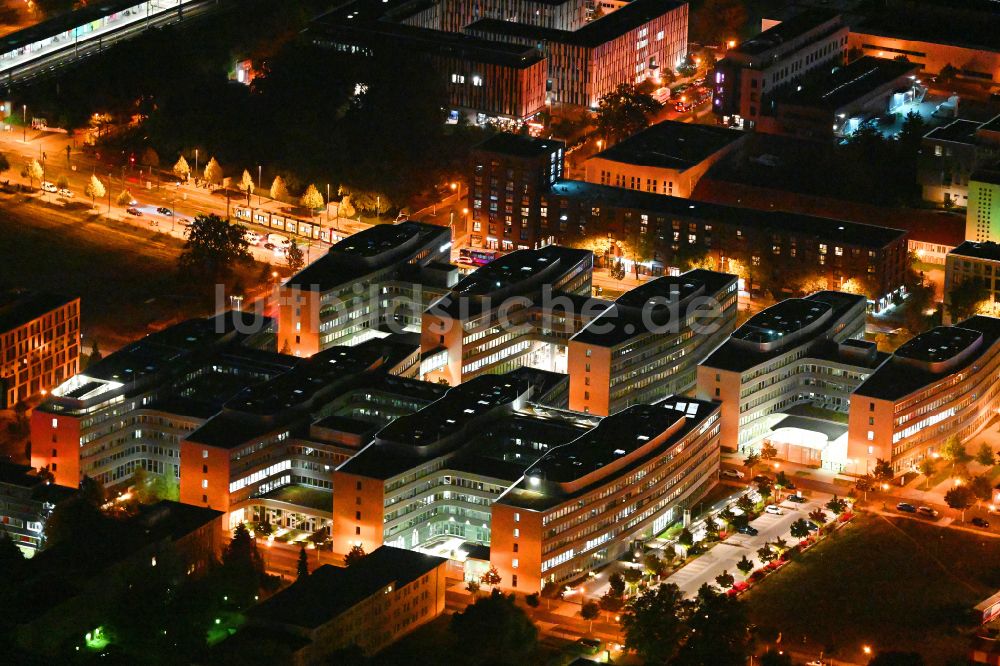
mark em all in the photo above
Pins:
pixel 980 522
pixel 132 210
pixel 65 193
pixel 927 511
pixel 906 507
pixel 49 187
pixel 811 526
pixel 163 210
pixel 746 529
pixel 798 499
pixel 773 509
pixel 732 474
pixel 252 237
pixel 589 645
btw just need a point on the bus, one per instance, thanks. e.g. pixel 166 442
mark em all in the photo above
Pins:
pixel 476 257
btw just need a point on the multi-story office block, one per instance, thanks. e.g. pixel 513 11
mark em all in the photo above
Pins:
pixel 940 383
pixel 26 502
pixel 951 154
pixel 982 217
pixel 584 503
pixel 39 343
pixel 509 172
pixel 748 74
pixel 799 352
pixel 428 480
pixel 518 310
pixel 976 262
pixel 377 281
pixel 132 408
pixel 667 158
pixel 648 344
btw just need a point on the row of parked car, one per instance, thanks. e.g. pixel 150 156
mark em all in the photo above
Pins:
pixel 61 191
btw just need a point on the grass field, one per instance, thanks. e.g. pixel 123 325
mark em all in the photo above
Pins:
pixel 892 584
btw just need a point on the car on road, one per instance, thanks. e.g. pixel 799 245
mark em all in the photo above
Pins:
pixel 732 474
pixel 798 499
pixel 132 210
pixel 163 210
pixel 589 645
pixel 49 187
pixel 980 522
pixel 906 507
pixel 773 509
pixel 252 237
pixel 65 193
pixel 811 526
pixel 746 529
pixel 927 511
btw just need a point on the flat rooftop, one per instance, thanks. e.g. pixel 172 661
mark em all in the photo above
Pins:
pixel 519 266
pixel 936 23
pixel 909 371
pixel 987 250
pixel 788 316
pixel 786 31
pixel 330 591
pixel 957 131
pixel 989 175
pixel 17 308
pixel 844 85
pixel 820 228
pixel 672 145
pixel 517 145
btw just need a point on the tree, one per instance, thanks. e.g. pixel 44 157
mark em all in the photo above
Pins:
pixel 279 191
pixel 984 456
pixel 213 247
pixel 302 567
pixel 473 588
pixel 4 163
pixel 623 112
pixel 953 450
pixel 927 467
pixel 653 624
pixel 532 600
pixel 11 557
pixel 246 185
pixel 800 528
pixel 346 208
pixel 744 504
pixel 836 505
pixel 751 461
pixel 765 554
pixel 181 168
pixel 818 516
pixel 781 480
pixel 213 172
pixel 719 631
pixel 745 565
pixel 616 583
pixel 718 21
pixel 242 567
pixel 981 487
pixel 500 630
pixel 768 452
pixel 311 199
pixel 611 602
pixel 149 158
pixel 653 564
pixel 883 471
pixel 62 182
pixel 632 578
pixel 727 515
pixel 725 580
pixel 124 198
pixel 960 498
pixel 964 299
pixel 294 257
pixel 685 538
pixel 33 171
pixel 354 555
pixel 94 189
pixel 491 577
pixel 590 611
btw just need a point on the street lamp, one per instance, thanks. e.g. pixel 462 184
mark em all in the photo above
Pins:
pixel 867 649
pixel 259 167
pixel 24 123
pixel 196 163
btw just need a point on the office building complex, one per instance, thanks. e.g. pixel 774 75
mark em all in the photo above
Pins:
pixel 519 310
pixel 746 77
pixel 374 282
pixel 371 604
pixel 940 383
pixel 582 504
pixel 951 154
pixel 799 352
pixel 978 263
pixel 39 343
pixel 982 217
pixel 667 158
pixel 26 502
pixel 648 344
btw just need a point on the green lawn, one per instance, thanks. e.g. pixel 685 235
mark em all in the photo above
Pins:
pixel 898 584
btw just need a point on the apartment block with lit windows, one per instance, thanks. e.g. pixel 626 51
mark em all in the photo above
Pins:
pixel 748 74
pixel 982 216
pixel 582 504
pixel 375 281
pixel 26 502
pixel 134 406
pixel 519 310
pixel 976 262
pixel 951 155
pixel 509 172
pixel 941 383
pixel 800 352
pixel 39 343
pixel 269 453
pixel 648 344
pixel 428 480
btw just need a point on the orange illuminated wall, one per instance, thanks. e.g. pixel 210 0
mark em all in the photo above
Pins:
pixel 984 65
pixel 516 547
pixel 437 332
pixel 868 415
pixel 358 511
pixel 716 384
pixel 55 443
pixel 205 476
pixel 589 378
pixel 298 321
pixel 41 353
